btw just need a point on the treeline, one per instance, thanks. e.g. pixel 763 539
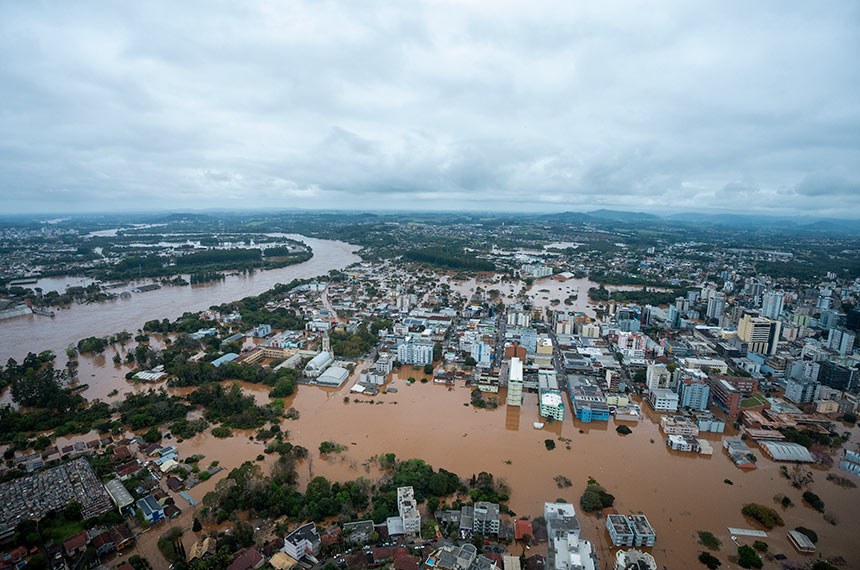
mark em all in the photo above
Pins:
pixel 206 277
pixel 625 279
pixel 231 407
pixel 641 296
pixel 445 258
pixel 220 256
pixel 247 489
pixel 353 344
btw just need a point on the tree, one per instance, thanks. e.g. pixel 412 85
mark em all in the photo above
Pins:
pixel 153 435
pixel 709 560
pixel 428 369
pixel 747 557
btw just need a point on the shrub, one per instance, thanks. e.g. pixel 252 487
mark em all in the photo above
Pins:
pixel 814 501
pixel 747 558
pixel 708 540
pixel 550 444
pixel 768 517
pixel 624 430
pixel 221 432
pixel 709 560
pixel 595 497
pixel 760 546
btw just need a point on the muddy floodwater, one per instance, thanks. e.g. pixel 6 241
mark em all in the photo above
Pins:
pixel 36 333
pixel 680 493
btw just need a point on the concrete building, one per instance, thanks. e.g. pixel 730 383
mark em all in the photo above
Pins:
pixel 303 542
pixel 841 340
pixel 151 511
pixel 663 400
pixel 761 334
pixel 802 391
pixel 658 376
pixel 485 518
pixel 566 550
pixel 634 560
pixel 716 305
pixel 693 390
pixel 515 382
pixel 771 304
pixel 837 376
pixel 408 509
pixel 416 352
pixel 549 396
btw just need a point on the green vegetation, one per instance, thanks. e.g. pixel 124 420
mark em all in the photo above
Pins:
pixel 708 540
pixel 92 344
pixel 231 407
pixel 595 497
pixel 766 516
pixel 353 344
pixel 754 400
pixel 709 560
pixel 221 432
pixel 550 444
pixel 642 296
pixel 814 501
pixel 186 429
pixel 748 558
pixel 330 447
pixel 760 546
pixel 448 259
pixel 624 430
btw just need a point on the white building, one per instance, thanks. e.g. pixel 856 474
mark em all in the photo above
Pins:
pixel 515 382
pixel 408 510
pixel 318 364
pixel 415 352
pixel 663 400
pixel 658 376
pixel 771 304
pixel 841 340
pixel 566 550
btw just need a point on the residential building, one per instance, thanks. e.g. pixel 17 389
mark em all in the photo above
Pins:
pixel 693 390
pixel 634 560
pixel 408 509
pixel 716 305
pixel 663 400
pixel 485 518
pixel 727 392
pixel 658 376
pixel 762 334
pixel 515 382
pixel 566 550
pixel 151 511
pixel 303 542
pixel 620 530
pixel 416 352
pixel 841 340
pixel 550 400
pixel 517 316
pixel 802 391
pixel 771 304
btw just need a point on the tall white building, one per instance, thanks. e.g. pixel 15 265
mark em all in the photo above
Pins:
pixel 565 549
pixel 716 305
pixel 841 340
pixel 515 382
pixel 771 304
pixel 658 376
pixel 415 352
pixel 408 509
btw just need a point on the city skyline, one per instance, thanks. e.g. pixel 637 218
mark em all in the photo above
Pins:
pixel 480 107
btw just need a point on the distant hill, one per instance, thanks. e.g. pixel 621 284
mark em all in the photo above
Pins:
pixel 622 216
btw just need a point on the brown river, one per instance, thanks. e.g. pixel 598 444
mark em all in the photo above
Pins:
pixel 36 333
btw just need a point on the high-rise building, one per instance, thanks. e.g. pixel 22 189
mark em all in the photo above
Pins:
pixel 515 382
pixel 693 390
pixel 408 509
pixel 841 340
pixel 658 376
pixel 837 375
pixel 771 304
pixel 415 352
pixel 760 333
pixel 716 305
pixel 565 549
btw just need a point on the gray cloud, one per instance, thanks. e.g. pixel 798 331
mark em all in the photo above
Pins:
pixel 484 105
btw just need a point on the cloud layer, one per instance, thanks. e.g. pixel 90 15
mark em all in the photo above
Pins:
pixel 440 105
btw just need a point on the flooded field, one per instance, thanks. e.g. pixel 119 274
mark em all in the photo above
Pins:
pixel 680 493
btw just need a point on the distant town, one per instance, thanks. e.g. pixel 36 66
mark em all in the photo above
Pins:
pixel 573 391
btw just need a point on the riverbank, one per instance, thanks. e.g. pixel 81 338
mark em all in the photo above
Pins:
pixel 31 333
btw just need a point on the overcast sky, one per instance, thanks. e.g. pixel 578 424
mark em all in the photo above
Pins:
pixel 652 106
